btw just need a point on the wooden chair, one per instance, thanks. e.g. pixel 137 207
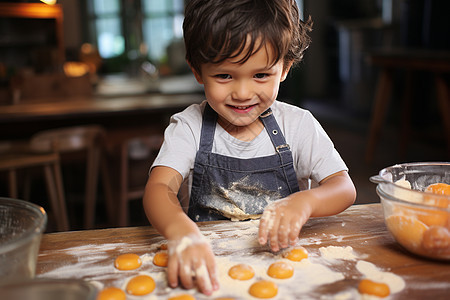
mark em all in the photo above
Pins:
pixel 436 63
pixel 13 159
pixel 136 157
pixel 89 138
pixel 133 151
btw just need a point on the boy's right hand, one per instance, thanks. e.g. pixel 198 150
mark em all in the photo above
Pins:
pixel 192 261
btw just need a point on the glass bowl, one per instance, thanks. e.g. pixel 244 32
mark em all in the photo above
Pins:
pixel 21 227
pixel 49 289
pixel 419 220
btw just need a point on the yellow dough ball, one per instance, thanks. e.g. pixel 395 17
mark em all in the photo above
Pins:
pixel 296 254
pixel 263 289
pixel 111 293
pixel 241 272
pixel 140 285
pixel 367 286
pixel 280 270
pixel 127 261
pixel 161 258
pixel 182 297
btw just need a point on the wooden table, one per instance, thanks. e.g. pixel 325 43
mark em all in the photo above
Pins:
pixel 90 255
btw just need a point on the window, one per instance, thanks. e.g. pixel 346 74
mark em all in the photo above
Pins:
pixel 125 30
pixel 163 23
pixel 106 24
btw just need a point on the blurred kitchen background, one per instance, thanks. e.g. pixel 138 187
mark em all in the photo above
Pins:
pixel 119 64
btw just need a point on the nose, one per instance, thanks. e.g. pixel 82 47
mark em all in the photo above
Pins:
pixel 242 90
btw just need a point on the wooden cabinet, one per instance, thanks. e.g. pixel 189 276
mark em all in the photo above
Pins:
pixel 31 36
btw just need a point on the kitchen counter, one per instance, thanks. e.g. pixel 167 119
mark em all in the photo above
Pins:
pixel 133 111
pixel 93 106
pixel 90 255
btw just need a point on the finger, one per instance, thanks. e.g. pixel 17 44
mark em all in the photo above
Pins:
pixel 283 232
pixel 294 232
pixel 172 271
pixel 186 275
pixel 212 271
pixel 264 225
pixel 273 233
pixel 203 279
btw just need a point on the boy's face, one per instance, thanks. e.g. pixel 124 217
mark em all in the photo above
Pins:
pixel 240 92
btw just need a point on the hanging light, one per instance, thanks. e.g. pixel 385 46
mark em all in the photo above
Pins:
pixel 49 2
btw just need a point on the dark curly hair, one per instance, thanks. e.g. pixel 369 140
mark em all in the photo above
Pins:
pixel 216 30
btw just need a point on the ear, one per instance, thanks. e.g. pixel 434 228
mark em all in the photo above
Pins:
pixel 198 77
pixel 286 71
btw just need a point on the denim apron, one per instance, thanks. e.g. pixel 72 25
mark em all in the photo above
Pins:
pixel 226 187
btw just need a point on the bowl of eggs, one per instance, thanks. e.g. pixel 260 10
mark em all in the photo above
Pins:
pixel 21 227
pixel 49 289
pixel 416 203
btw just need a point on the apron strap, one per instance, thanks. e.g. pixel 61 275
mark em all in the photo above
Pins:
pixel 208 129
pixel 282 148
pixel 274 131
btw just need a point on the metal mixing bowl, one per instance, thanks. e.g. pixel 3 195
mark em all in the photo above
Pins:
pixel 418 220
pixel 21 227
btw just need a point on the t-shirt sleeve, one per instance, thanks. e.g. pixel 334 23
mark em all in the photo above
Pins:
pixel 317 157
pixel 180 144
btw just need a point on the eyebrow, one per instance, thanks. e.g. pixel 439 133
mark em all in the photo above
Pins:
pixel 259 70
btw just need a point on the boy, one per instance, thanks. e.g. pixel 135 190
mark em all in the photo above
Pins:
pixel 248 154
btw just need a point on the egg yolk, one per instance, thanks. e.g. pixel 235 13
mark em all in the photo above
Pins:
pixel 140 285
pixel 367 286
pixel 241 272
pixel 436 239
pixel 439 188
pixel 280 270
pixel 161 259
pixel 435 217
pixel 296 254
pixel 111 293
pixel 263 289
pixel 128 261
pixel 408 231
pixel 431 217
pixel 182 297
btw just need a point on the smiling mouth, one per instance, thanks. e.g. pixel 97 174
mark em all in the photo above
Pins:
pixel 242 107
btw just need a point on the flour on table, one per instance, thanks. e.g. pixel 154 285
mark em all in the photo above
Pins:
pixel 92 263
pixel 334 252
pixel 147 258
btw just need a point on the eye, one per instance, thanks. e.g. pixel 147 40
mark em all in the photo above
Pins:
pixel 261 75
pixel 223 76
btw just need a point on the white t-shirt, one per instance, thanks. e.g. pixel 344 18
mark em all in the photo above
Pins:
pixel 313 152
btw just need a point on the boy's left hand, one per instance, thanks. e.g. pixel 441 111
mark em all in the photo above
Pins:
pixel 282 221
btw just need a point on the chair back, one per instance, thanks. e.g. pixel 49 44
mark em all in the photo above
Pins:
pixel 68 139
